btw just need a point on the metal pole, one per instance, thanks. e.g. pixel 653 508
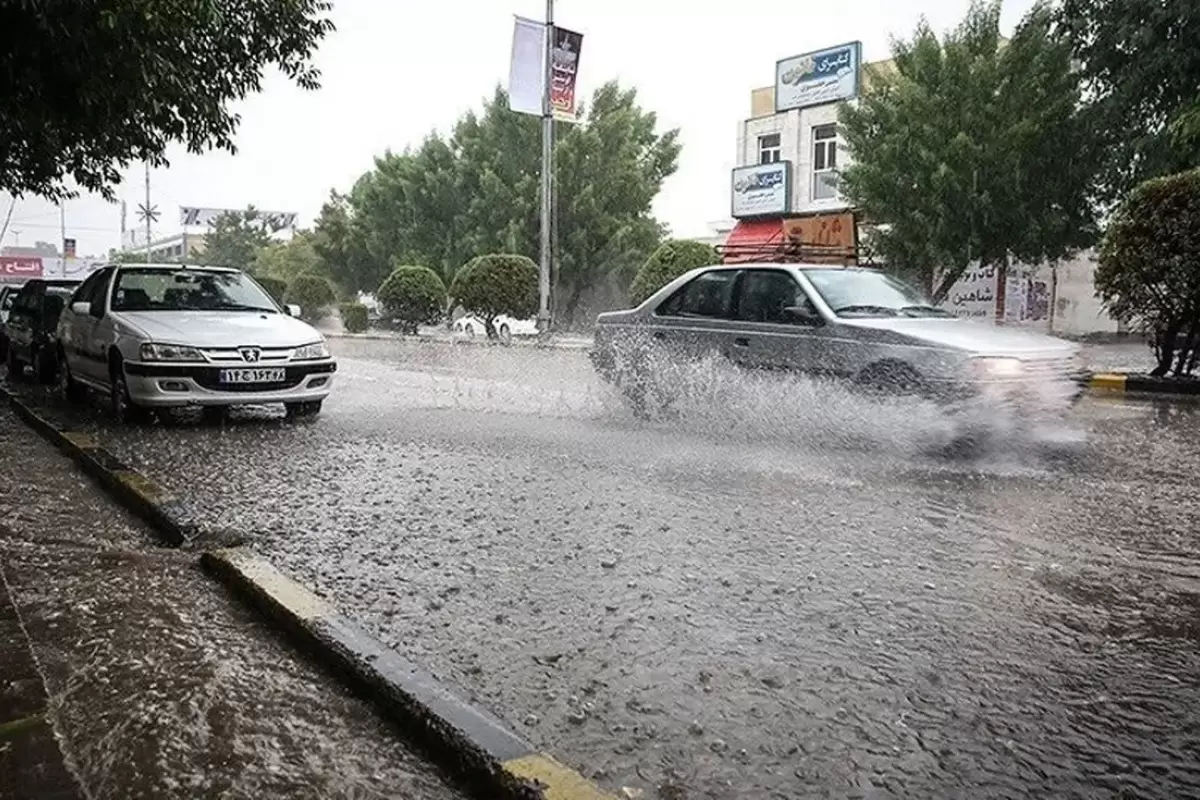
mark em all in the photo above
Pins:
pixel 62 230
pixel 547 175
pixel 148 214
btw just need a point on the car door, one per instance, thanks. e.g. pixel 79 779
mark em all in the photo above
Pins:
pixel 91 360
pixel 777 323
pixel 21 319
pixel 694 321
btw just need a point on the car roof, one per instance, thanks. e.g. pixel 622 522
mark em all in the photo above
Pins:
pixel 190 267
pixel 802 265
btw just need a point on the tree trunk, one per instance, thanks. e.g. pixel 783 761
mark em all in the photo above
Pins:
pixel 1165 349
pixel 571 307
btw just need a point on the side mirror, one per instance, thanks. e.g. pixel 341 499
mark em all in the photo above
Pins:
pixel 292 310
pixel 81 308
pixel 803 315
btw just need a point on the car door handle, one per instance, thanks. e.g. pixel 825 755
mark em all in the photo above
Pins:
pixel 741 341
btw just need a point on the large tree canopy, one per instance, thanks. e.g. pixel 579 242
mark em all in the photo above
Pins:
pixel 476 191
pixel 1140 62
pixel 86 86
pixel 971 150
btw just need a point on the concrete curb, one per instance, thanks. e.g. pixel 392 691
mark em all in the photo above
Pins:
pixel 162 510
pixel 481 342
pixel 1128 382
pixel 470 742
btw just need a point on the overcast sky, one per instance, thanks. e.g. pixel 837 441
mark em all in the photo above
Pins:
pixel 394 71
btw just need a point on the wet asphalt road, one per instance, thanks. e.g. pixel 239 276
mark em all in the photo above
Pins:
pixel 774 594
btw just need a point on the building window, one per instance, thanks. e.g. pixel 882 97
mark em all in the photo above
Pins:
pixel 769 150
pixel 825 162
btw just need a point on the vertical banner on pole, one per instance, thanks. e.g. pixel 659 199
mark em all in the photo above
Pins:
pixel 526 75
pixel 564 69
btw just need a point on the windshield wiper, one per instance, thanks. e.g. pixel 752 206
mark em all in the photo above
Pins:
pixel 240 307
pixel 916 311
pixel 866 309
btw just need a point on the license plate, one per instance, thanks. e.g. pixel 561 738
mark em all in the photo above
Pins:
pixel 256 375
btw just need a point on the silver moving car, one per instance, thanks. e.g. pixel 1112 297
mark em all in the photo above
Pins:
pixel 169 335
pixel 856 324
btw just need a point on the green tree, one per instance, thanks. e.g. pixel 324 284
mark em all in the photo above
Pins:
pixel 1141 70
pixel 1149 271
pixel 413 296
pixel 972 150
pixel 340 241
pixel 494 285
pixel 235 239
pixel 90 85
pixel 286 260
pixel 314 295
pixel 354 317
pixel 477 191
pixel 668 262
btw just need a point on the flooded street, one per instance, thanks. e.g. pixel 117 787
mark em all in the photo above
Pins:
pixel 773 592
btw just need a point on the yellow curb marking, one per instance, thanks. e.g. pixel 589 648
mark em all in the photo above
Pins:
pixel 1115 383
pixel 143 486
pixel 560 782
pixel 299 601
pixel 83 441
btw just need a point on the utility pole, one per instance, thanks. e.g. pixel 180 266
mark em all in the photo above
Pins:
pixel 547 175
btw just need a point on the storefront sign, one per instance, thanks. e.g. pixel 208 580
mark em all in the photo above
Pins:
pixel 761 190
pixel 824 237
pixel 20 267
pixel 814 79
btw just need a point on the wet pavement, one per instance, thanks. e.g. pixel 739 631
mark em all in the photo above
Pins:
pixel 776 593
pixel 158 684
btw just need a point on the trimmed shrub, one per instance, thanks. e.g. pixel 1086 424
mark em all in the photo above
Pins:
pixel 672 258
pixel 412 296
pixel 354 317
pixel 313 293
pixel 498 284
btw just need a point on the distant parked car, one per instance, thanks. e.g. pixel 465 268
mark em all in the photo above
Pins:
pixel 167 335
pixel 30 329
pixel 506 327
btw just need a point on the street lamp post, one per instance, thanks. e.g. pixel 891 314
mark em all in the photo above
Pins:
pixel 547 176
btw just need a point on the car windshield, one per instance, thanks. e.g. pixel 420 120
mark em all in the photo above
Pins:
pixel 869 293
pixel 168 289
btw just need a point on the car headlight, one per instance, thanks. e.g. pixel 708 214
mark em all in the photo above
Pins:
pixel 153 351
pixel 310 352
pixel 997 368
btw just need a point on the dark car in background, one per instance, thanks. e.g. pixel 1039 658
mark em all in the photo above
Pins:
pixel 31 325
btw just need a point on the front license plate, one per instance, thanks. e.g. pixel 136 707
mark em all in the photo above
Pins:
pixel 259 375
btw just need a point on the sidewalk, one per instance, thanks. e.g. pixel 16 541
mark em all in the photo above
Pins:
pixel 157 685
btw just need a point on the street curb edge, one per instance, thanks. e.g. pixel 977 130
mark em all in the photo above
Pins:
pixel 1142 384
pixel 140 495
pixel 467 740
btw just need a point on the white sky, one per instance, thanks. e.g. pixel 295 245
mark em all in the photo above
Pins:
pixel 393 71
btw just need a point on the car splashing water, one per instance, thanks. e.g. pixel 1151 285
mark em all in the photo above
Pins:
pixel 715 398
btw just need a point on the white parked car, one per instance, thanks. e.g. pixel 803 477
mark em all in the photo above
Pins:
pixel 506 327
pixel 167 335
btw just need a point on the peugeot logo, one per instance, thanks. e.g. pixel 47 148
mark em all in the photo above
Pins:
pixel 250 354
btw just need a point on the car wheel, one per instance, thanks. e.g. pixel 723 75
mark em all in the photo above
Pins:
pixel 16 369
pixel 46 365
pixel 469 330
pixel 124 409
pixel 505 334
pixel 890 379
pixel 305 410
pixel 72 390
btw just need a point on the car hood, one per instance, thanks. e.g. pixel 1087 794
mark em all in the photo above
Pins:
pixel 974 337
pixel 221 328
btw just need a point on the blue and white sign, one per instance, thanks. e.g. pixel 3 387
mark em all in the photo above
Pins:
pixel 814 79
pixel 762 190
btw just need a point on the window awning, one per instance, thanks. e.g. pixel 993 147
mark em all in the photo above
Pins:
pixel 749 238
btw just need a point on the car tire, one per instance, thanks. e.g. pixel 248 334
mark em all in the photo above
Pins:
pixel 305 410
pixel 72 390
pixel 124 409
pixel 890 379
pixel 469 330
pixel 505 334
pixel 16 368
pixel 45 364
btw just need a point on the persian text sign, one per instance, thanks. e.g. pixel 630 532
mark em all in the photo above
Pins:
pixel 564 70
pixel 973 295
pixel 761 190
pixel 823 237
pixel 12 267
pixel 813 79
